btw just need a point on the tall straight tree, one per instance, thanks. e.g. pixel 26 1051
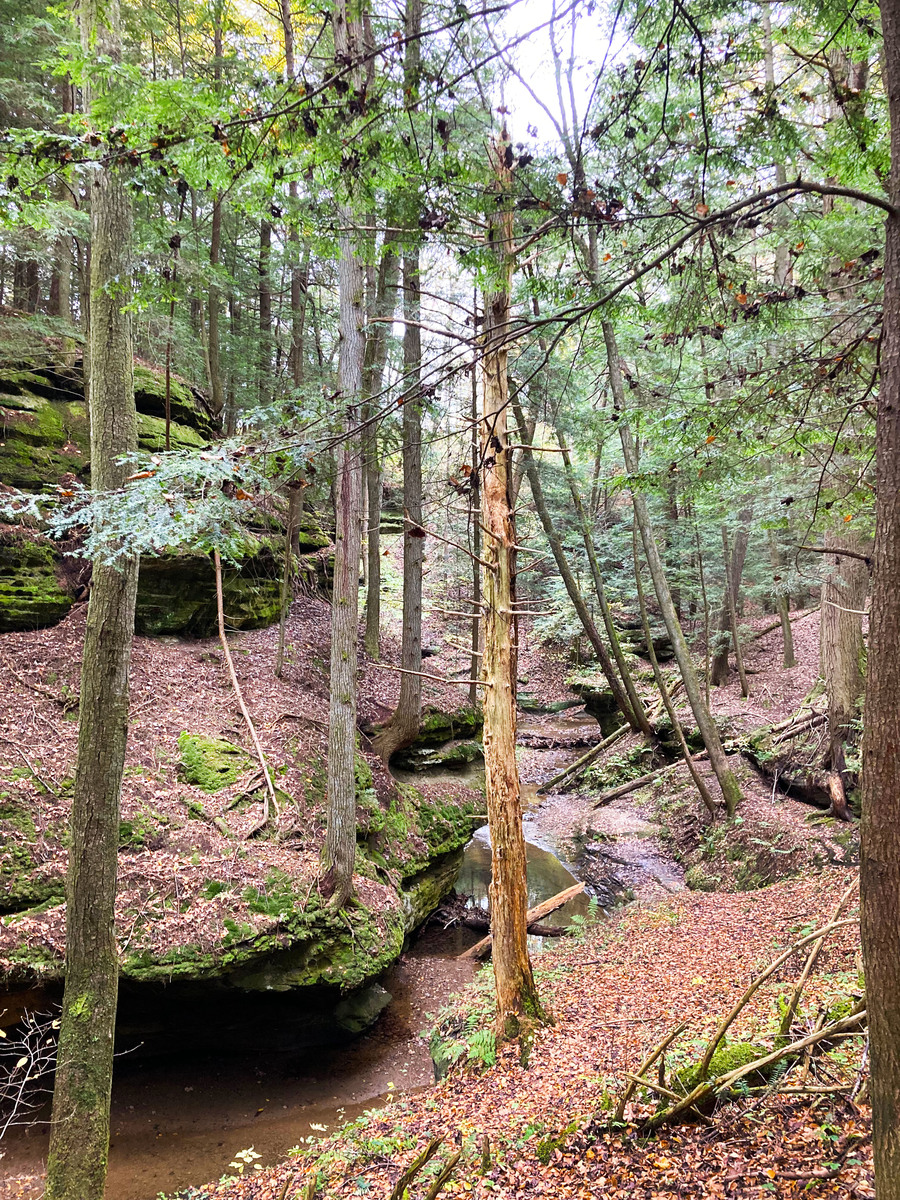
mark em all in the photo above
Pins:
pixel 79 1136
pixel 404 724
pixel 518 1006
pixel 339 853
pixel 880 851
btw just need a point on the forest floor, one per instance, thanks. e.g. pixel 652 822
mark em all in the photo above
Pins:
pixel 677 955
pixel 614 994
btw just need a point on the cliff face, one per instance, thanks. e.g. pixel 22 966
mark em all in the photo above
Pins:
pixel 46 444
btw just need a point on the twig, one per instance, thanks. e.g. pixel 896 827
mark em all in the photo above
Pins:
pixel 789 1013
pixel 648 1062
pixel 66 704
pixel 54 791
pixel 270 790
pixel 424 675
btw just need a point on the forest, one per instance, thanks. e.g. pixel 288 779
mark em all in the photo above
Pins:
pixel 449 599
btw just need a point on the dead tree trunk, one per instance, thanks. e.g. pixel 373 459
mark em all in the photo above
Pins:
pixel 518 1006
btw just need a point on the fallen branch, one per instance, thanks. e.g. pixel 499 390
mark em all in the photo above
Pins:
pixel 443 1176
pixel 633 785
pixel 707 1090
pixel 415 1167
pixel 196 809
pixel 65 703
pixel 790 1012
pixel 757 983
pixel 659 1049
pixel 544 909
pixel 758 633
pixel 585 760
pixel 270 790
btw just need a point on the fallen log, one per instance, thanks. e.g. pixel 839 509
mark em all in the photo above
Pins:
pixel 479 919
pixel 633 785
pixel 586 759
pixel 544 909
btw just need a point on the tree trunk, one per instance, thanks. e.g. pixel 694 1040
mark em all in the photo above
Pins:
pixel 665 696
pixel 79 1138
pixel 843 654
pixel 382 305
pixel 880 857
pixel 518 1006
pixel 782 602
pixel 731 596
pixel 404 723
pixel 731 791
pixel 213 341
pixel 475 524
pixel 568 577
pixel 634 700
pixel 733 573
pixel 339 854
pixel 265 312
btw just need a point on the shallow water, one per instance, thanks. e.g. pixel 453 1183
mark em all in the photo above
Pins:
pixel 179 1121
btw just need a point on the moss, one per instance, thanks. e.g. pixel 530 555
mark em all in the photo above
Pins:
pixel 209 763
pixel 728 1057
pixel 22 887
pixel 152 435
pixel 177 594
pixel 438 726
pixel 309 945
pixel 185 406
pixel 30 593
pixel 698 880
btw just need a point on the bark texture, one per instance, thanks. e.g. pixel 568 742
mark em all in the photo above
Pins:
pixel 880 859
pixel 518 1005
pixel 339 854
pixel 79 1137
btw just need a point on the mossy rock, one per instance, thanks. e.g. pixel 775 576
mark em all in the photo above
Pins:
pixel 449 756
pixel 31 596
pixel 210 763
pixel 46 430
pixel 728 1057
pixel 177 594
pixel 438 726
pixel 21 884
pixel 186 404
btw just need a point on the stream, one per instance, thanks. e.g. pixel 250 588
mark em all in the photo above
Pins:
pixel 178 1122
